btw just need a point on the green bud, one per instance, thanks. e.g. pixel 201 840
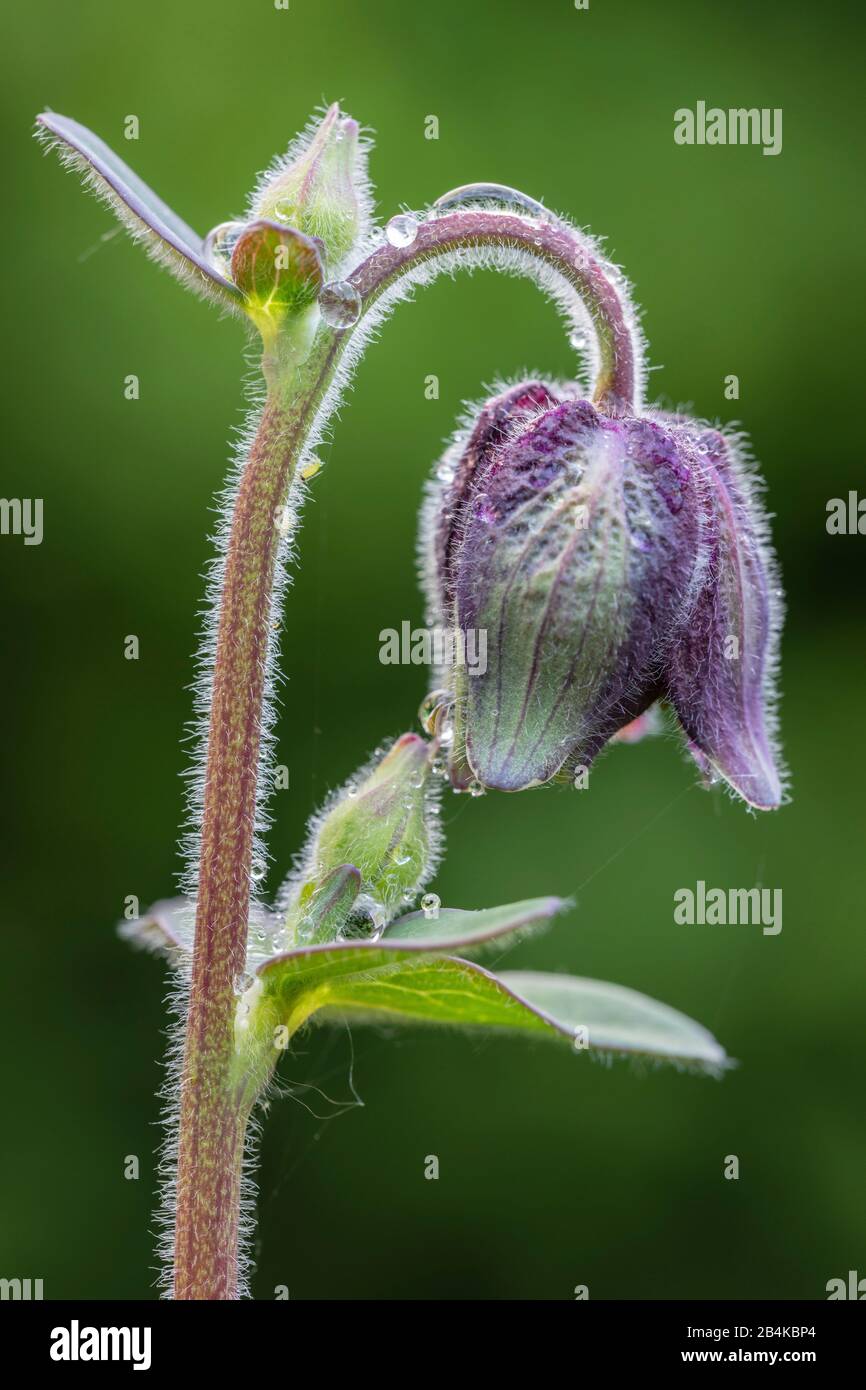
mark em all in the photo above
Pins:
pixel 319 188
pixel 279 271
pixel 384 824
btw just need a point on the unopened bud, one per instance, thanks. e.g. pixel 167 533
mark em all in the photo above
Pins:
pixel 609 561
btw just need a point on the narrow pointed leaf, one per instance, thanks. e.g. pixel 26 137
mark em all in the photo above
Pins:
pixel 168 238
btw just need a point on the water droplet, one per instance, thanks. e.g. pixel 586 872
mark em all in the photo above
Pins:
pixel 430 905
pixel 401 858
pixel 351 789
pixel 487 193
pixel 578 340
pixel 475 789
pixel 258 869
pixel 435 705
pixel 367 921
pixel 219 245
pixel 445 473
pixel 286 521
pixel 242 983
pixel 340 304
pixel 402 229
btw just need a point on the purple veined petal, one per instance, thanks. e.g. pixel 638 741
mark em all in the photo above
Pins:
pixel 722 668
pixel 147 217
pixel 578 577
pixel 460 476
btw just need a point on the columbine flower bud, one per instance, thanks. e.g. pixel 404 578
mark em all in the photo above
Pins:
pixel 319 187
pixel 384 823
pixel 612 563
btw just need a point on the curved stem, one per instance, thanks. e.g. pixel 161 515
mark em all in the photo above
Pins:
pixel 560 259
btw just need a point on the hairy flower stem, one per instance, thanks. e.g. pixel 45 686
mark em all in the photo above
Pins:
pixel 213 1111
pixel 215 1101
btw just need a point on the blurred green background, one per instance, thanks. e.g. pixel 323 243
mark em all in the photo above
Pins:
pixel 554 1171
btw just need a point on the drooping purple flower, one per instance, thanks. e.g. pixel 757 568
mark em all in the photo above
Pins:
pixel 609 563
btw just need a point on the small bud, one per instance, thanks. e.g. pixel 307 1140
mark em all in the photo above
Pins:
pixel 381 823
pixel 608 561
pixel 319 188
pixel 278 269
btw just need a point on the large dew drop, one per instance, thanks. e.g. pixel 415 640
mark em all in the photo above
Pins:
pixel 489 193
pixel 340 304
pixel 434 705
pixel 219 245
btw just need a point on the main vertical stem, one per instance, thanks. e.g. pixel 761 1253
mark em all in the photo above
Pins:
pixel 212 1117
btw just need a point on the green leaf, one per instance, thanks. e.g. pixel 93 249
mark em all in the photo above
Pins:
pixel 307 966
pixel 292 986
pixel 617 1018
pixel 375 983
pixel 453 926
pixel 591 1015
